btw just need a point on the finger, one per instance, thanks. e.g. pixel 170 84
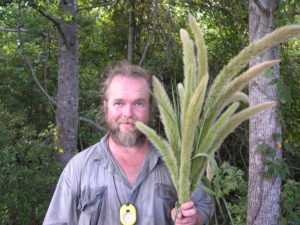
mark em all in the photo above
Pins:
pixel 180 215
pixel 173 214
pixel 187 205
pixel 185 221
pixel 189 212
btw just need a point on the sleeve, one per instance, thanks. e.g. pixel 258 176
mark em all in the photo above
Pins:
pixel 203 203
pixel 63 206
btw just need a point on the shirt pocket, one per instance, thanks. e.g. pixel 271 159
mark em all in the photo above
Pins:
pixel 92 206
pixel 166 196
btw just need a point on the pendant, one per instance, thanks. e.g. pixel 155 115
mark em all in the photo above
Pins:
pixel 128 214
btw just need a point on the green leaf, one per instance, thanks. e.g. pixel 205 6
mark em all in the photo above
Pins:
pixel 206 189
pixel 262 148
pixel 210 159
pixel 268 72
pixel 267 150
pixel 288 148
pixel 274 81
pixel 277 137
pixel 271 153
pixel 283 92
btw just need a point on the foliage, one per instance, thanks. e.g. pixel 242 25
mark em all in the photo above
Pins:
pixel 28 171
pixel 287 13
pixel 290 202
pixel 102 41
pixel 290 110
pixel 274 166
pixel 227 179
pixel 222 22
pixel 230 191
pixel 229 185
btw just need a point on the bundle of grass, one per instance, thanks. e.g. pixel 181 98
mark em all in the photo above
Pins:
pixel 197 124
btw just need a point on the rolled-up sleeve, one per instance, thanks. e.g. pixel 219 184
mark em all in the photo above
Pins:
pixel 203 203
pixel 63 206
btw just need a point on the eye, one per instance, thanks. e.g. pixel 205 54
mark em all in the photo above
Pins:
pixel 118 103
pixel 139 104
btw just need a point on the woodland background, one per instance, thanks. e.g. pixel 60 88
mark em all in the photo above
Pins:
pixel 51 50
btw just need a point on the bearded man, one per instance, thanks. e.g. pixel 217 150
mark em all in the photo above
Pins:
pixel 123 179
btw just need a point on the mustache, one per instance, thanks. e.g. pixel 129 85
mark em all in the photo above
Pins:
pixel 126 120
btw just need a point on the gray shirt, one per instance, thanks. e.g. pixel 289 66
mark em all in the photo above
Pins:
pixel 92 188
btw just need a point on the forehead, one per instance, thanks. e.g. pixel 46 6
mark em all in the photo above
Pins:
pixel 128 87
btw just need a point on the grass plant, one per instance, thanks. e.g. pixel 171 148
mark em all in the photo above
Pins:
pixel 196 125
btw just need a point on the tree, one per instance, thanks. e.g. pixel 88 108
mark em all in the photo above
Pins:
pixel 68 83
pixel 131 30
pixel 265 128
pixel 67 101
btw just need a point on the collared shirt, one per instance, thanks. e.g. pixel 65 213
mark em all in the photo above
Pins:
pixel 92 188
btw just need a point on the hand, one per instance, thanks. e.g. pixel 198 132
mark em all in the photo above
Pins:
pixel 188 214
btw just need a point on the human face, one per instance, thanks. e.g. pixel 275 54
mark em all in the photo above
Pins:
pixel 128 100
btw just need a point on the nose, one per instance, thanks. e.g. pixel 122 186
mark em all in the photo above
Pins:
pixel 127 111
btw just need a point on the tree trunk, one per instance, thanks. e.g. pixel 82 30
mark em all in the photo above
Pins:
pixel 263 192
pixel 131 30
pixel 155 12
pixel 68 84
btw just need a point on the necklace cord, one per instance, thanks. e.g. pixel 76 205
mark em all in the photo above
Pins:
pixel 133 195
pixel 116 190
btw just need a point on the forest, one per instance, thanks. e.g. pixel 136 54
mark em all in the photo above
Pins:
pixel 55 53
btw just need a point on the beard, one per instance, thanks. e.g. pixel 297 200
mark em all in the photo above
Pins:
pixel 129 138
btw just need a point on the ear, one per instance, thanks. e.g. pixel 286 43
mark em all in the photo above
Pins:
pixel 105 106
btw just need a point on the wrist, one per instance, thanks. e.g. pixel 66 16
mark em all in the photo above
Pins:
pixel 200 220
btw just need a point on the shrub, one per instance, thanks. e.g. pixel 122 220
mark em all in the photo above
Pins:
pixel 290 203
pixel 28 172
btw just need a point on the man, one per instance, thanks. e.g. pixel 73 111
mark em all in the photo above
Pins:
pixel 123 179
